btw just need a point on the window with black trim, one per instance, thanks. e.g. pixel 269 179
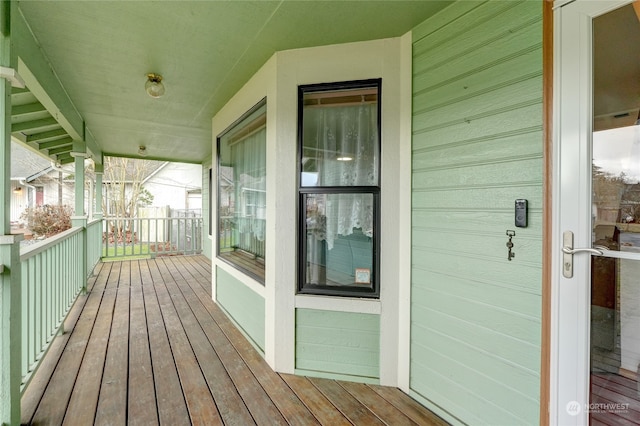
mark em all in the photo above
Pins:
pixel 242 171
pixel 339 188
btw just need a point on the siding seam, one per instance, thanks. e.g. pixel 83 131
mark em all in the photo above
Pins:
pixel 508 108
pixel 475 279
pixel 463 29
pixel 485 91
pixel 466 187
pixel 467 164
pixel 472 72
pixel 532 373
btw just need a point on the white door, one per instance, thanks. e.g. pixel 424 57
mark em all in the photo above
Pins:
pixel 596 204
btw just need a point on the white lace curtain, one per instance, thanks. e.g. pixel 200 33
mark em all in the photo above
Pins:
pixel 351 134
pixel 248 157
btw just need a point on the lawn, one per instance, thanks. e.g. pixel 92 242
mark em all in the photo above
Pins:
pixel 139 251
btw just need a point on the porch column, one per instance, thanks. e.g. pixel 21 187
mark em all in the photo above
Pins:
pixel 10 291
pixel 79 218
pixel 79 153
pixel 99 170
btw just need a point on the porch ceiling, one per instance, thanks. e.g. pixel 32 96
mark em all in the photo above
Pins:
pixel 33 124
pixel 101 52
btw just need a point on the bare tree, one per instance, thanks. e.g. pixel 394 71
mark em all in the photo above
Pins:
pixel 124 192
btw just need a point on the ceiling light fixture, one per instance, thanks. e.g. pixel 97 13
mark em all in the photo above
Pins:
pixel 154 86
pixel 17 190
pixel 142 150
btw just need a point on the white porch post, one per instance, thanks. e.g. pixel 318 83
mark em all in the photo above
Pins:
pixel 10 292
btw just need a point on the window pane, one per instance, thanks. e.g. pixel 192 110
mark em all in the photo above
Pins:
pixel 340 138
pixel 339 240
pixel 242 192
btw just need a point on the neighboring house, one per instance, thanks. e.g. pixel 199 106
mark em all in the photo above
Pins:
pixel 36 182
pixel 178 185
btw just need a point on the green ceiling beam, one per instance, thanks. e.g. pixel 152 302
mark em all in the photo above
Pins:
pixel 47 136
pixel 65 158
pixel 42 80
pixel 55 143
pixel 92 146
pixel 43 124
pixel 60 150
pixel 18 90
pixel 18 110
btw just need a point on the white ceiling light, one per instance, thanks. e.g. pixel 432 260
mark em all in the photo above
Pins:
pixel 142 150
pixel 154 86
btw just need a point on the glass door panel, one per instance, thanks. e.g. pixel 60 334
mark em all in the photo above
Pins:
pixel 614 396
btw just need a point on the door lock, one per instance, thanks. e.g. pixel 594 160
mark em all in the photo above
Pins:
pixel 568 251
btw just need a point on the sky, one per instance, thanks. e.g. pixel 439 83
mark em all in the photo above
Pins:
pixel 617 151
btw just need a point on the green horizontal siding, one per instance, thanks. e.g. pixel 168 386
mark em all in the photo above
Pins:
pixel 245 306
pixel 330 343
pixel 477 146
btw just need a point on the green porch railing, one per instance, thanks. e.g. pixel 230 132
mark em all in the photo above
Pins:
pixel 246 234
pixel 150 237
pixel 52 278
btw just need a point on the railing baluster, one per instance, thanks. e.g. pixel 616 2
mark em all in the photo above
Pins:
pixel 153 236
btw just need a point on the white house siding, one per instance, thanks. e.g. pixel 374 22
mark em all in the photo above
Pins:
pixel 477 146
pixel 171 183
pixel 19 200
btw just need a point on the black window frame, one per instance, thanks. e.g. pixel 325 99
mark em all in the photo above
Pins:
pixel 262 103
pixel 303 192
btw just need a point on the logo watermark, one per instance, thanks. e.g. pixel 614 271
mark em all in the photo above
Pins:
pixel 574 408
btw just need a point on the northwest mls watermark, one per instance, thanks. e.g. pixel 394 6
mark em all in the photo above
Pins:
pixel 574 408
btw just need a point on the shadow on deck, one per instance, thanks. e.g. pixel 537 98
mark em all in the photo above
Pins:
pixel 147 345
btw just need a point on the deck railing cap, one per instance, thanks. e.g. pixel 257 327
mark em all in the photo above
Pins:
pixel 6 240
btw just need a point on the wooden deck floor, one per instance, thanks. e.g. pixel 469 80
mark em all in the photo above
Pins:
pixel 615 400
pixel 147 346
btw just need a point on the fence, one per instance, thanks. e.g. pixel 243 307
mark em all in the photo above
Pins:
pixel 242 234
pixel 52 278
pixel 150 237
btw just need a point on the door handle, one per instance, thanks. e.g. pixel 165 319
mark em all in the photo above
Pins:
pixel 568 252
pixel 596 250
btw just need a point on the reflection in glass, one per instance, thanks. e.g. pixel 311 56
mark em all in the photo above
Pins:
pixel 339 239
pixel 616 187
pixel 340 141
pixel 242 171
pixel 615 281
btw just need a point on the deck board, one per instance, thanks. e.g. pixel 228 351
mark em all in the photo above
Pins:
pixel 349 406
pixel 171 405
pixel 113 390
pixel 323 410
pixel 84 397
pixel 147 345
pixel 142 397
pixel 63 378
pixel 376 404
pixel 619 398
